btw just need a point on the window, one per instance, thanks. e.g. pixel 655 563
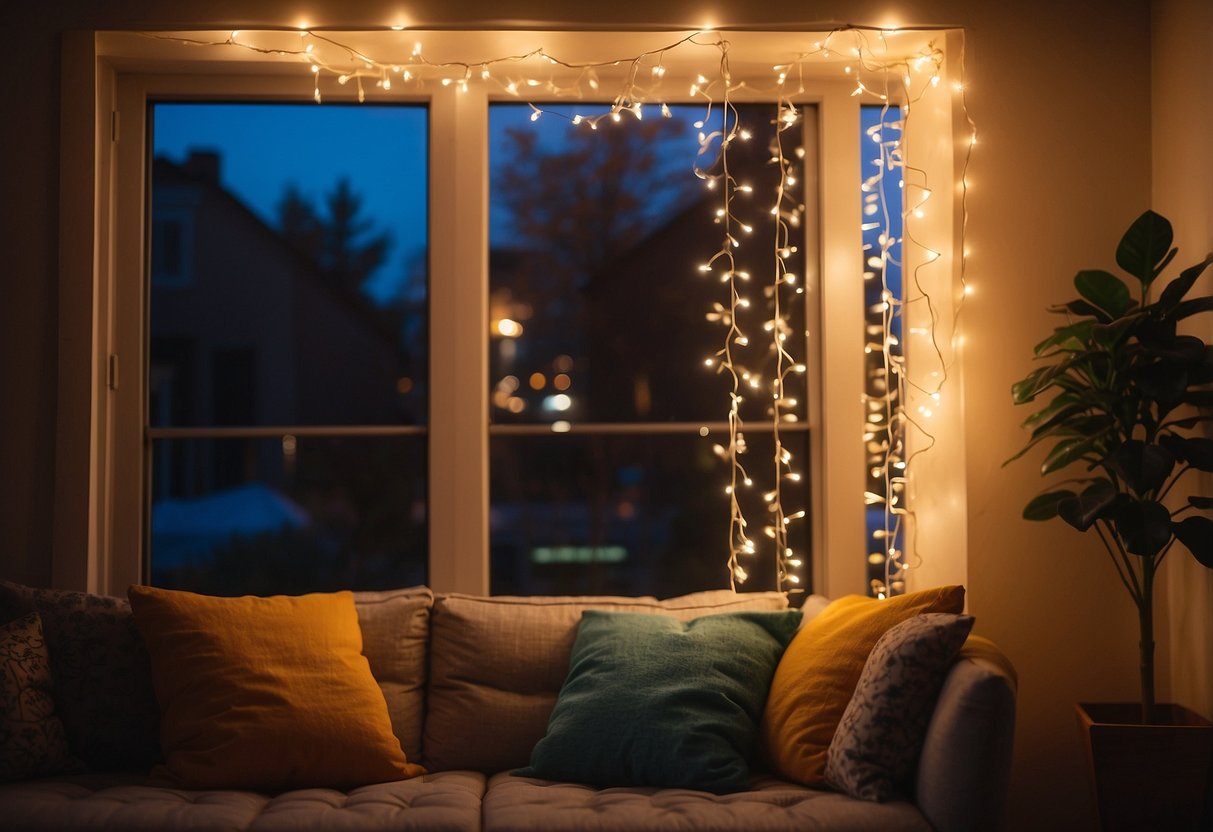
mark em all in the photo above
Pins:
pixel 286 378
pixel 154 427
pixel 883 299
pixel 603 417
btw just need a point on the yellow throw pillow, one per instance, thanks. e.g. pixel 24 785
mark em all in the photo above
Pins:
pixel 265 693
pixel 818 672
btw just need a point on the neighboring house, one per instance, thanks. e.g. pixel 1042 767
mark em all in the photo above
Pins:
pixel 246 332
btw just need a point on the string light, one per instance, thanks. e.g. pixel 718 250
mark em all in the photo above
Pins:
pixel 876 77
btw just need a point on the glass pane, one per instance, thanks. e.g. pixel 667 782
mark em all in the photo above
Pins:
pixel 288 273
pixel 880 132
pixel 597 305
pixel 288 514
pixel 630 514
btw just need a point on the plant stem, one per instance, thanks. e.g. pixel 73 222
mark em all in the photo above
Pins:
pixel 1119 571
pixel 1145 613
pixel 1174 480
pixel 1136 590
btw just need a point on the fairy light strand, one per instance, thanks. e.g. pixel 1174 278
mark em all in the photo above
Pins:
pixel 644 73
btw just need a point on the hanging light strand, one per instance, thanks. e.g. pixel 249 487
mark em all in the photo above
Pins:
pixel 878 75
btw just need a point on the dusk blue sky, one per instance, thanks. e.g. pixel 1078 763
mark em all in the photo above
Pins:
pixel 382 149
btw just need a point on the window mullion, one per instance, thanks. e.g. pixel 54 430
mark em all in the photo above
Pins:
pixel 459 450
pixel 839 567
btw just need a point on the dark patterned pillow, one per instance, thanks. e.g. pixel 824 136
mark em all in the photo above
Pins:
pixel 875 749
pixel 32 741
pixel 102 675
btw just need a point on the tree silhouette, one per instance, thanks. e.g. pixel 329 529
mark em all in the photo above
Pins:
pixel 588 202
pixel 339 242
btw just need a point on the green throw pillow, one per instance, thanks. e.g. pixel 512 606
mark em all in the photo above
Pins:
pixel 654 701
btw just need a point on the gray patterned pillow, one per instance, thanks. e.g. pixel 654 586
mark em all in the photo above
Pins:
pixel 32 741
pixel 876 747
pixel 102 675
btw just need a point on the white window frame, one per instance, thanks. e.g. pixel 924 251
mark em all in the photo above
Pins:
pixel 101 508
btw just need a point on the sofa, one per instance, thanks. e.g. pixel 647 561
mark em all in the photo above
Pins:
pixel 470 683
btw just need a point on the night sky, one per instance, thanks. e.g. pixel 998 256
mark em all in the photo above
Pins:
pixel 382 149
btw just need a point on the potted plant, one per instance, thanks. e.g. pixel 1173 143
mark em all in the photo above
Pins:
pixel 1129 394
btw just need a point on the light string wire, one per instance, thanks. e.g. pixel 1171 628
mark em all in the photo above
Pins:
pixel 861 59
pixel 892 464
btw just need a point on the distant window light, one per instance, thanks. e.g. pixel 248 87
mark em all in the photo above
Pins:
pixel 579 554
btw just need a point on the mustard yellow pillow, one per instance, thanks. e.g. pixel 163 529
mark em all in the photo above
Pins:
pixel 818 672
pixel 265 693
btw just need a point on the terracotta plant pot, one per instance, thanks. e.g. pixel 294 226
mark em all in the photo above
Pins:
pixel 1148 777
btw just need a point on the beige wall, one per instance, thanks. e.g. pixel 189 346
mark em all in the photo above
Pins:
pixel 1061 96
pixel 1182 89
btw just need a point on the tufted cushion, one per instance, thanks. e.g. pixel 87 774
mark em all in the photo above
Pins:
pixel 442 802
pixel 498 663
pixel 395 628
pixel 875 749
pixel 32 740
pixel 102 676
pixel 521 804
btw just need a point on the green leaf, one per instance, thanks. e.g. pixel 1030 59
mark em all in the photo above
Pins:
pixel 1081 307
pixel 1184 349
pixel 1201 371
pixel 1191 307
pixel 1155 331
pixel 1066 452
pixel 1105 290
pixel 1145 527
pixel 1190 422
pixel 1108 334
pixel 1200 398
pixel 1196 533
pixel 1058 418
pixel 1072 338
pixel 1044 506
pixel 1143 467
pixel 1161 381
pixel 1082 511
pixel 1196 451
pixel 1039 379
pixel 1088 428
pixel 1144 246
pixel 1177 288
pixel 1060 402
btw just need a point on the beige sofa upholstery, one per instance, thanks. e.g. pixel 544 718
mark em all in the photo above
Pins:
pixel 448 801
pixel 470 683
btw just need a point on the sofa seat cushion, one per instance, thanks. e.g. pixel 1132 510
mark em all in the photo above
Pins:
pixel 523 804
pixel 442 802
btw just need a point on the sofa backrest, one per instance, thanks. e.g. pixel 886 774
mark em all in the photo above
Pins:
pixel 395 628
pixel 497 665
pixel 102 673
